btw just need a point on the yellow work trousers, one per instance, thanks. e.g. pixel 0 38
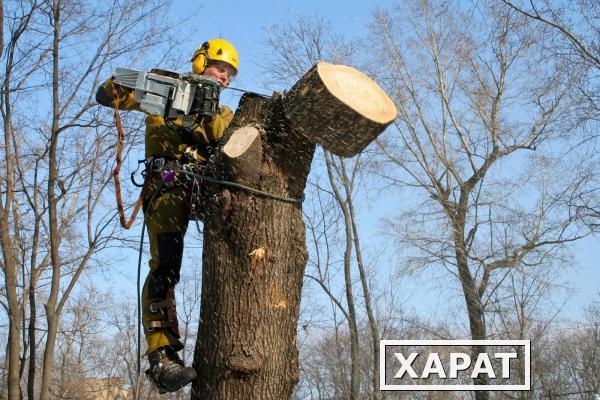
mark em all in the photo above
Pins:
pixel 166 221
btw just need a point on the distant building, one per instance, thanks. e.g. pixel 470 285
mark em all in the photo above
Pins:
pixel 105 389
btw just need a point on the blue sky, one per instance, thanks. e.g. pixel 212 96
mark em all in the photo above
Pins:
pixel 243 23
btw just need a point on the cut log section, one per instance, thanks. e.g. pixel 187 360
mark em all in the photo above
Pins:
pixel 339 108
pixel 243 155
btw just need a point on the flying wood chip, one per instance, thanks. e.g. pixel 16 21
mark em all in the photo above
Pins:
pixel 339 108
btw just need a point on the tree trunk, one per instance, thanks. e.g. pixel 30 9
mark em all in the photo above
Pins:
pixel 253 266
pixel 472 299
pixel 50 306
pixel 373 324
pixel 33 275
pixel 254 245
pixel 4 381
pixel 32 337
pixel 10 262
pixel 355 363
pixel 10 274
pixel 14 325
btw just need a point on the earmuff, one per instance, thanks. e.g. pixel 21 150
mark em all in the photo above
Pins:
pixel 200 58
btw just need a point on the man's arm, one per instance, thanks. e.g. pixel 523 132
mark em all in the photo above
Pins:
pixel 125 96
pixel 217 125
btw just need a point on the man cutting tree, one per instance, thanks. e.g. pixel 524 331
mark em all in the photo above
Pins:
pixel 170 143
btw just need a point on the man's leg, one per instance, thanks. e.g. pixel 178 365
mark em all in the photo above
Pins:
pixel 166 221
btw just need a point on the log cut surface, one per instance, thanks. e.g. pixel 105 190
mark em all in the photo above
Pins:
pixel 243 154
pixel 241 140
pixel 339 108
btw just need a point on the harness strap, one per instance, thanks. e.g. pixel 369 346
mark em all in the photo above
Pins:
pixel 153 325
pixel 160 164
pixel 155 307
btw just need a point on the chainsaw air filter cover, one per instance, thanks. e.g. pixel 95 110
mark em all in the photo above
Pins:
pixel 171 94
pixel 194 94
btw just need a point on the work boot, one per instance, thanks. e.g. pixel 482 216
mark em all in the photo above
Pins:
pixel 167 371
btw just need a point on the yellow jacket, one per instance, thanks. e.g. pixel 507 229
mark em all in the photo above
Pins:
pixel 162 140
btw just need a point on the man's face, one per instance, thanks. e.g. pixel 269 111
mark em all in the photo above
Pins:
pixel 221 71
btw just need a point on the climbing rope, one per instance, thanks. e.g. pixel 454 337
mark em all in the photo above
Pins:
pixel 242 187
pixel 120 138
pixel 139 313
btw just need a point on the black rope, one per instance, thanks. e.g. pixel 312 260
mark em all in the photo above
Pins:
pixel 139 313
pixel 242 187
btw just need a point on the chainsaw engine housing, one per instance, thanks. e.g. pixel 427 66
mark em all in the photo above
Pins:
pixel 171 94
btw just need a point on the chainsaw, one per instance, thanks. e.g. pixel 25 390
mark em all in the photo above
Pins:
pixel 171 94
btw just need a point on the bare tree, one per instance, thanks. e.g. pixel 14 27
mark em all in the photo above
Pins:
pixel 476 137
pixel 71 101
pixel 527 306
pixel 565 358
pixel 576 26
pixel 573 28
pixel 55 219
pixel 295 47
pixel 344 193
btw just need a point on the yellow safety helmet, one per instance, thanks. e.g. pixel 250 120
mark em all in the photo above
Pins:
pixel 214 49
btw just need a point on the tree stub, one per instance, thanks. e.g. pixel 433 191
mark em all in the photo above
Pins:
pixel 339 108
pixel 243 155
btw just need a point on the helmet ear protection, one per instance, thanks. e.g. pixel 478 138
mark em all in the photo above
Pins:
pixel 216 50
pixel 200 59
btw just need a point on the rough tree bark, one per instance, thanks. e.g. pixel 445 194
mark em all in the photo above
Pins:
pixel 254 245
pixel 253 266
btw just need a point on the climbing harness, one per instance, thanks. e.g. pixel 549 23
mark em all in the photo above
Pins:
pixel 127 223
pixel 156 307
pixel 170 168
pixel 242 187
